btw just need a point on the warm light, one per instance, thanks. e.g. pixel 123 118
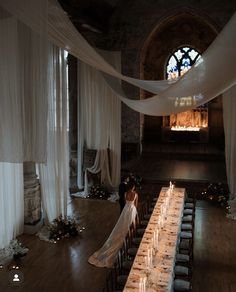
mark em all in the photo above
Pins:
pixel 183 128
pixel 193 120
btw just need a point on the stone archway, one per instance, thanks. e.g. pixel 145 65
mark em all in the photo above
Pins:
pixel 180 28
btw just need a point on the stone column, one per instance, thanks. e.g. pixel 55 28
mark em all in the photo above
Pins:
pixel 32 199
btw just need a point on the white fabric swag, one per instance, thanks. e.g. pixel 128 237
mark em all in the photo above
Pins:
pixel 212 75
pixel 23 80
pixel 11 202
pixel 229 118
pixel 101 165
pixel 99 124
pixel 54 174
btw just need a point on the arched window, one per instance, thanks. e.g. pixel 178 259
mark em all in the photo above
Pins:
pixel 177 65
pixel 181 61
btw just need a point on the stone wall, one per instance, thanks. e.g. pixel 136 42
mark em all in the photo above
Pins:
pixel 160 26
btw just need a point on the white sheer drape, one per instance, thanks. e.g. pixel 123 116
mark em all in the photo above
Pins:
pixel 54 174
pixel 99 125
pixel 31 12
pixel 23 109
pixel 23 69
pixel 11 202
pixel 229 117
pixel 23 85
pixel 212 75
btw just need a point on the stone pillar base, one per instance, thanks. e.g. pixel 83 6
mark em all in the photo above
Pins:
pixel 32 199
pixel 33 228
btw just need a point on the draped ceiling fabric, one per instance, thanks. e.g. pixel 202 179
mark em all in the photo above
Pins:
pixel 23 85
pixel 212 75
pixel 208 78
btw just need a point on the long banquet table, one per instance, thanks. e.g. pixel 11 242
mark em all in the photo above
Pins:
pixel 153 267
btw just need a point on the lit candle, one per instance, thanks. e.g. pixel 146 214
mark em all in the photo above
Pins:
pixel 156 238
pixel 151 255
pixel 146 261
pixel 144 279
pixel 140 285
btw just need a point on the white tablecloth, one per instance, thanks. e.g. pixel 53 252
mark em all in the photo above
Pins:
pixel 153 267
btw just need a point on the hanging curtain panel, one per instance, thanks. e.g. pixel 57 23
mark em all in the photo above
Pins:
pixel 99 124
pixel 229 118
pixel 54 174
pixel 23 87
pixel 11 202
pixel 11 135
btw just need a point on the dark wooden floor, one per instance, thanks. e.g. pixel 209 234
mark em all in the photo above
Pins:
pixel 63 267
pixel 164 162
pixel 214 250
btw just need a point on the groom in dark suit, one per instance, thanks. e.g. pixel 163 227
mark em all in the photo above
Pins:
pixel 122 191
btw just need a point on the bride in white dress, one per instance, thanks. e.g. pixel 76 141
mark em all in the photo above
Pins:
pixel 106 255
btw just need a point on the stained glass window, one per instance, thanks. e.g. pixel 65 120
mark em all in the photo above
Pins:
pixel 178 64
pixel 181 61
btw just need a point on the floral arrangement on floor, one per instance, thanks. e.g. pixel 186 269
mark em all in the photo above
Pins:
pixel 14 250
pixel 98 192
pixel 64 227
pixel 216 193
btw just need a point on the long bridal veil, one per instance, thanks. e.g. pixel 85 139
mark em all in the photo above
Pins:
pixel 106 255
